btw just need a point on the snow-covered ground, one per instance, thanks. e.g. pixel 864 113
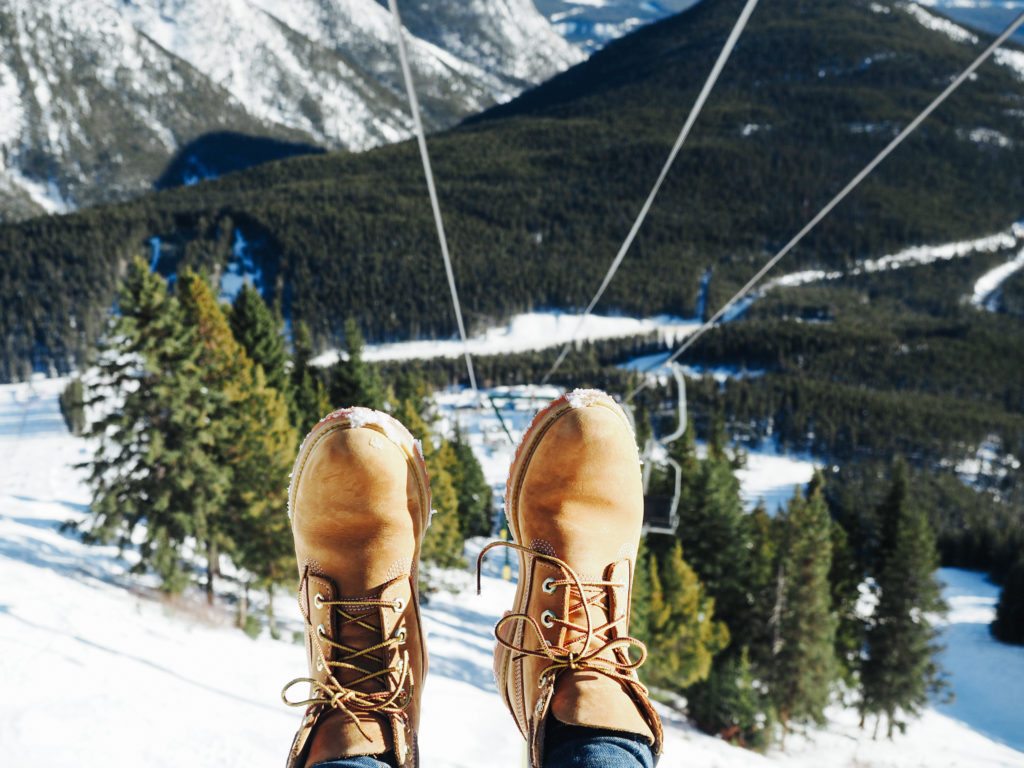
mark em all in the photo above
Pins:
pixel 525 332
pixel 988 677
pixel 987 288
pixel 98 670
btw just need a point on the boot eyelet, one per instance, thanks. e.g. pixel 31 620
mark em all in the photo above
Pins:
pixel 400 635
pixel 549 586
pixel 319 666
pixel 548 619
pixel 399 605
pixel 318 601
pixel 321 631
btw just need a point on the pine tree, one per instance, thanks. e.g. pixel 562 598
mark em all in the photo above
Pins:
pixel 309 401
pixel 682 633
pixel 256 328
pixel 151 466
pixel 471 488
pixel 900 669
pixel 715 537
pixel 731 704
pixel 443 543
pixel 1009 624
pixel 762 585
pixel 845 579
pixel 226 374
pixel 257 524
pixel 803 666
pixel 72 406
pixel 353 382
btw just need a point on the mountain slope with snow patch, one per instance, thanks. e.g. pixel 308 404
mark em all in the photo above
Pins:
pixel 99 670
pixel 98 96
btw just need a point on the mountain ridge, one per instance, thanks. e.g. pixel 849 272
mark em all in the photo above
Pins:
pixel 538 194
pixel 100 96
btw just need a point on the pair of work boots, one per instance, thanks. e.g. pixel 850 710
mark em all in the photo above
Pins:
pixel 359 501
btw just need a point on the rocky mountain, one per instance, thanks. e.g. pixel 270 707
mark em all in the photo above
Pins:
pixel 539 193
pixel 98 96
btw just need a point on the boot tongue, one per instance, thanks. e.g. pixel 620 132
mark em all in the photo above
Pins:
pixel 587 698
pixel 354 733
pixel 592 700
pixel 337 736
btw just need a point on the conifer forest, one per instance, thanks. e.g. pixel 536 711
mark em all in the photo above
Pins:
pixel 201 330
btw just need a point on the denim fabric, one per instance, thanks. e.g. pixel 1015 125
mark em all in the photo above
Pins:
pixel 569 746
pixel 566 747
pixel 354 762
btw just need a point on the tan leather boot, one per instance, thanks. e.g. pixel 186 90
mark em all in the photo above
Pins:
pixel 359 502
pixel 574 503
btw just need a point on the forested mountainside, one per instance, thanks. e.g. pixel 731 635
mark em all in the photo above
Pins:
pixel 98 97
pixel 539 193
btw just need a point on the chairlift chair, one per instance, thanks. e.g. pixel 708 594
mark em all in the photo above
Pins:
pixel 661 512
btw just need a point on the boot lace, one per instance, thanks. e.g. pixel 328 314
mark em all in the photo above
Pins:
pixel 344 697
pixel 609 656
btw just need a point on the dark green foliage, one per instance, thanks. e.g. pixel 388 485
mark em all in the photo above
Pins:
pixel 72 406
pixel 1011 299
pixel 731 704
pixel 443 543
pixel 760 633
pixel 899 669
pixel 715 538
pixel 352 381
pixel 259 332
pixel 475 504
pixel 681 632
pixel 151 466
pixel 309 402
pixel 1009 623
pixel 537 192
pixel 845 579
pixel 803 666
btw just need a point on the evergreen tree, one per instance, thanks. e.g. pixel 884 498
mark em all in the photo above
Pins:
pixel 471 488
pixel 151 466
pixel 845 579
pixel 1009 623
pixel 682 633
pixel 309 402
pixel 803 664
pixel 900 668
pixel 226 375
pixel 443 543
pixel 762 584
pixel 731 703
pixel 257 524
pixel 72 406
pixel 353 382
pixel 715 538
pixel 256 328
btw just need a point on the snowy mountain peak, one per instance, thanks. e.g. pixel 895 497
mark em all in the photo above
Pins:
pixel 99 95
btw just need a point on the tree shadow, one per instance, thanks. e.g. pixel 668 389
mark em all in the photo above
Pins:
pixel 215 154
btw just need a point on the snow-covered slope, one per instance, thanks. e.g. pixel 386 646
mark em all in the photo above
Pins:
pixel 98 670
pixel 988 288
pixel 98 95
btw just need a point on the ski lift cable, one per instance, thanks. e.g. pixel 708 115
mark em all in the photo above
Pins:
pixel 824 212
pixel 421 140
pixel 695 111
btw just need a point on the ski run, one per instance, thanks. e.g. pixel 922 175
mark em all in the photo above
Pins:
pixel 539 329
pixel 99 670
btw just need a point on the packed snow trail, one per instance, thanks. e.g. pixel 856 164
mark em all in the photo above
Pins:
pixel 530 331
pixel 99 671
pixel 988 288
